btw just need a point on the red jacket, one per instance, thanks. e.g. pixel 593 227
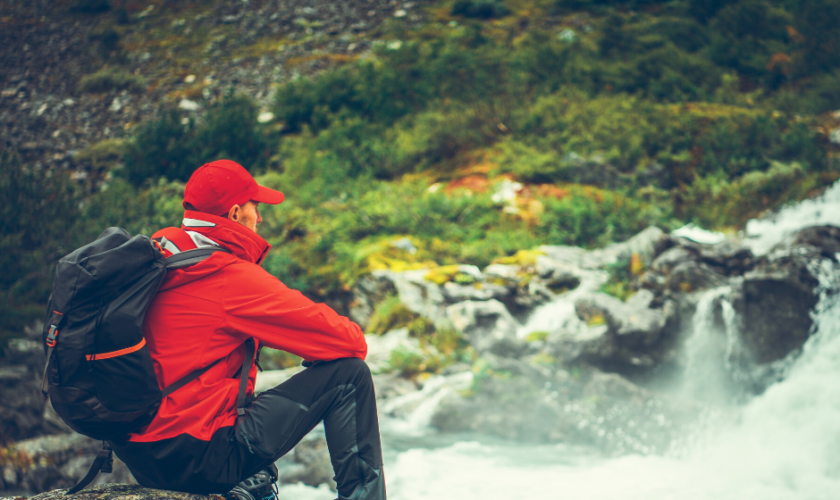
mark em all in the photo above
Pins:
pixel 205 312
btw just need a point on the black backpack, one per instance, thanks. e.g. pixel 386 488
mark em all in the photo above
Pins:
pixel 99 374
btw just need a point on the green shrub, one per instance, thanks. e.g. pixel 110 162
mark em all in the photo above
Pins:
pixel 407 362
pixel 90 6
pixel 173 146
pixel 274 359
pixel 481 9
pixel 36 219
pixel 389 315
pixel 108 79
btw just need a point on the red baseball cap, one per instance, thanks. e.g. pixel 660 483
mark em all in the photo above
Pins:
pixel 217 186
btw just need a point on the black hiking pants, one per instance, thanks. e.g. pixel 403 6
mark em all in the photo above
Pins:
pixel 338 392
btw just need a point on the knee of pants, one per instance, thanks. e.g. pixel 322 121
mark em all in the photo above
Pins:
pixel 354 368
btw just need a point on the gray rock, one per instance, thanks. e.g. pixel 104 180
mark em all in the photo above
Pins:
pixel 454 292
pixel 121 491
pixel 57 461
pixel 488 325
pixel 690 276
pixel 416 293
pixel 369 291
pixel 315 468
pixel 729 257
pixel 623 319
pixel 774 302
pixel 671 258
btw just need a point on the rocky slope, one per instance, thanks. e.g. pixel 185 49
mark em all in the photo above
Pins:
pixel 247 47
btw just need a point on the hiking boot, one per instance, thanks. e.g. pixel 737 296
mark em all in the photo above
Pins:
pixel 260 486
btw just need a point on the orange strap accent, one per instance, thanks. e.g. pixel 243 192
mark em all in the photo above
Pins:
pixel 114 354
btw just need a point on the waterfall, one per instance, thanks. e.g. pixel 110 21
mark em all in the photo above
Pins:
pixel 715 370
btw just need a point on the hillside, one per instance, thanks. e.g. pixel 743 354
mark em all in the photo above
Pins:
pixel 409 135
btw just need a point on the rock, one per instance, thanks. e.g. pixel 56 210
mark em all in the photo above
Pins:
pixel 488 325
pixel 728 257
pixel 122 491
pixel 381 346
pixel 416 293
pixel 57 461
pixel 671 258
pixel 690 276
pixel 188 105
pixel 21 405
pixel 774 302
pixel 622 337
pixel 834 136
pixel 646 245
pixel 454 292
pixel 369 291
pixel 315 468
pixel 623 319
pixel 391 385
pixel 502 272
pixel 268 379
pixel 825 239
pixel 414 410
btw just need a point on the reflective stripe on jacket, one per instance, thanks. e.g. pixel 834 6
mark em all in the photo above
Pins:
pixel 205 312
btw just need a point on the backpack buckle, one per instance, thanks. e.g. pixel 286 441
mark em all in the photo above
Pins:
pixel 52 335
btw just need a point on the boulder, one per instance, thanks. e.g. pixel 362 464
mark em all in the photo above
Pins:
pixel 690 276
pixel 369 291
pixel 776 298
pixel 488 325
pixel 22 408
pixel 728 257
pixel 774 302
pixel 56 461
pixel 120 491
pixel 646 245
pixel 454 292
pixel 632 319
pixel 416 293
pixel 313 466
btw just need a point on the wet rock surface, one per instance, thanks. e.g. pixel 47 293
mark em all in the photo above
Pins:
pixel 117 491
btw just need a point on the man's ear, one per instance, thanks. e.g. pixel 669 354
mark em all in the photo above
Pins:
pixel 233 213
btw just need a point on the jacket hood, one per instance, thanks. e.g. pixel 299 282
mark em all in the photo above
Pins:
pixel 241 241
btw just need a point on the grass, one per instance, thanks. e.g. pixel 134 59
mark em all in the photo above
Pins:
pixel 112 79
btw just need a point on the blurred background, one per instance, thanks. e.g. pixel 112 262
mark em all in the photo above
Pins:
pixel 593 242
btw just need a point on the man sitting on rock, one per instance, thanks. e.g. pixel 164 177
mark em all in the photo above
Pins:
pixel 198 442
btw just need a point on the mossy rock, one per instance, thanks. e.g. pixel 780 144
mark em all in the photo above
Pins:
pixel 120 491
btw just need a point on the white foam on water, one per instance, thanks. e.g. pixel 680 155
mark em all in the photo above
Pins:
pixel 762 234
pixel 699 234
pixel 785 445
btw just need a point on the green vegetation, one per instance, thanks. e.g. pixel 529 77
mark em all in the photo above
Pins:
pixel 173 146
pixel 107 79
pixel 612 115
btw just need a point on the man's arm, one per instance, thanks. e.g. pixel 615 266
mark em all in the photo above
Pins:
pixel 259 305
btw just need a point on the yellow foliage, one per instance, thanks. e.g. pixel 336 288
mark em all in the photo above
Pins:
pixel 441 275
pixel 521 258
pixel 596 320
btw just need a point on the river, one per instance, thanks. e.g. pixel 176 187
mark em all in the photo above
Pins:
pixel 782 444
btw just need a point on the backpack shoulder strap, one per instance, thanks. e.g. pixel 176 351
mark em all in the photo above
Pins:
pixel 190 257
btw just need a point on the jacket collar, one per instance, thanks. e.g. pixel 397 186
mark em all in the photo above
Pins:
pixel 241 241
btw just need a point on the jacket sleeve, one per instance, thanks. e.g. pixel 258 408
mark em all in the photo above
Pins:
pixel 258 305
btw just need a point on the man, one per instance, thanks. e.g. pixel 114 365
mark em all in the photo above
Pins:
pixel 207 312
